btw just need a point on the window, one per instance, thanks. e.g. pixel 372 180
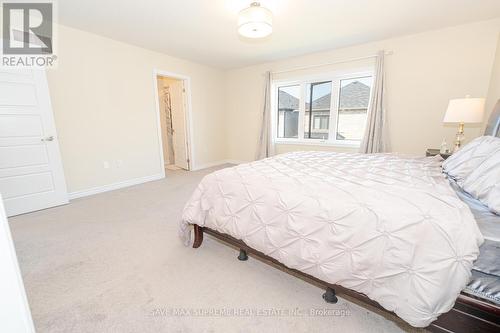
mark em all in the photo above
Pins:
pixel 288 111
pixel 321 122
pixel 332 110
pixel 353 106
pixel 318 98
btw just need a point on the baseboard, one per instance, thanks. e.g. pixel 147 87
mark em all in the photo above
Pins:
pixel 236 162
pixel 114 186
pixel 137 181
pixel 216 163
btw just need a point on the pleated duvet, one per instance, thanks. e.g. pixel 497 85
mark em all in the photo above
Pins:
pixel 387 226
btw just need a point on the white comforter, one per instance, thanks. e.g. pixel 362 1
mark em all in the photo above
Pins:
pixel 387 226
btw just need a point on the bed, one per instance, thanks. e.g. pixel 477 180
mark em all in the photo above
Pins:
pixel 388 230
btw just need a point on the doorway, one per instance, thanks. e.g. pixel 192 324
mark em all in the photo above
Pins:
pixel 172 93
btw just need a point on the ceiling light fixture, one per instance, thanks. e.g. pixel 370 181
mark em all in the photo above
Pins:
pixel 255 21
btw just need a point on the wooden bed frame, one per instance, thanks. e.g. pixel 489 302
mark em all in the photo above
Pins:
pixel 468 315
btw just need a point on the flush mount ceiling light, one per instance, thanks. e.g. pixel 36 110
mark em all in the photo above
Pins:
pixel 255 21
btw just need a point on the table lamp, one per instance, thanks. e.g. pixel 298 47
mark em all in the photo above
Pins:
pixel 461 111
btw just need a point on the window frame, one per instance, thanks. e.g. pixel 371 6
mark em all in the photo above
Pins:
pixel 303 81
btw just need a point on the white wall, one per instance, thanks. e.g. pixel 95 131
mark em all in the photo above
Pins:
pixel 104 105
pixel 425 71
pixel 494 88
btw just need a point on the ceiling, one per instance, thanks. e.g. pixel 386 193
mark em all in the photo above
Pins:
pixel 204 31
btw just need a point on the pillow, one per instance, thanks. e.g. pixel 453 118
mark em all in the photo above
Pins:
pixel 468 158
pixel 484 183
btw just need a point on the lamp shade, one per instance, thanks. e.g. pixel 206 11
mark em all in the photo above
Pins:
pixel 255 21
pixel 465 110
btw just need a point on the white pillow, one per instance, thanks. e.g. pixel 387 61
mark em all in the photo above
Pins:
pixel 468 158
pixel 484 183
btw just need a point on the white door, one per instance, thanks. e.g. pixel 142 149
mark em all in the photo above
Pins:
pixel 31 173
pixel 15 313
pixel 179 124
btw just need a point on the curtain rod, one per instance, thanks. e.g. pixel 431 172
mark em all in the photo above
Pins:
pixel 329 63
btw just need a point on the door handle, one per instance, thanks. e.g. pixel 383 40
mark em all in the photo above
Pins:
pixel 49 138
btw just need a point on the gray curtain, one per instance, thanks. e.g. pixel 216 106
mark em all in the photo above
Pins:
pixel 375 139
pixel 266 144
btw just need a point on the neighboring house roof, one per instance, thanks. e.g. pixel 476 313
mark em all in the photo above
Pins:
pixel 355 95
pixel 287 101
pixel 321 103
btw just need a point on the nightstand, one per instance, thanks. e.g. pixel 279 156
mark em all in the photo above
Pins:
pixel 434 152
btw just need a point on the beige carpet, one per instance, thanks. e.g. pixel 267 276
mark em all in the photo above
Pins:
pixel 113 263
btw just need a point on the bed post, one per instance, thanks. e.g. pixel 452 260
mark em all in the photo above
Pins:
pixel 243 255
pixel 329 296
pixel 198 236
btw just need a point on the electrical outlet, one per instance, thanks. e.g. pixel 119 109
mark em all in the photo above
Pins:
pixel 119 163
pixel 105 164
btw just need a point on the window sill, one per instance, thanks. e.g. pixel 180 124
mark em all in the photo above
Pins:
pixel 349 144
